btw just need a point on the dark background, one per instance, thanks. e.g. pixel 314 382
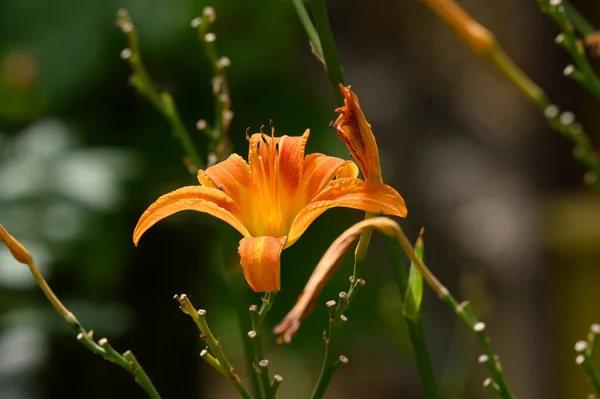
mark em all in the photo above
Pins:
pixel 508 223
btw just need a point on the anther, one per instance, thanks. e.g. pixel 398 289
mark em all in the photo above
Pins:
pixel 220 187
pixel 247 133
pixel 262 129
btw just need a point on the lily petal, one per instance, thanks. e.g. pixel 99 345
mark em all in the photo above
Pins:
pixel 348 193
pixel 195 198
pixel 260 259
pixel 232 176
pixel 353 128
pixel 319 169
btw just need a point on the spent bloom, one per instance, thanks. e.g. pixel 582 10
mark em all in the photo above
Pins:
pixel 273 198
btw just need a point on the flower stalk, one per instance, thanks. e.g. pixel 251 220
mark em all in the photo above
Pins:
pixel 220 361
pixel 102 348
pixel 162 101
pixel 483 43
pixel 260 363
pixel 586 350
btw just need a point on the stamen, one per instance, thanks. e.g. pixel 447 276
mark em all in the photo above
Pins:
pixel 277 148
pixel 258 147
pixel 262 129
pixel 248 133
pixel 264 139
pixel 272 128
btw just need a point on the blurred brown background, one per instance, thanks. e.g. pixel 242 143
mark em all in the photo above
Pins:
pixel 508 222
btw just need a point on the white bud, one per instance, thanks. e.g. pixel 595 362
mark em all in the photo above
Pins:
pixel 263 363
pixel 559 38
pixel 568 70
pixel 203 352
pixel 483 359
pixel 595 328
pixel 126 53
pixel 344 359
pixel 209 12
pixel 555 3
pixel 278 378
pixel 201 125
pixel 196 22
pixel 330 304
pixel 210 37
pixel 224 61
pixel 487 382
pixel 551 111
pixel 580 359
pixel 479 326
pixel 343 318
pixel 201 312
pixel 580 346
pixel 251 334
pixel 566 118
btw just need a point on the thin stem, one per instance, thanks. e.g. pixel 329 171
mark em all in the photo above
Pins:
pixel 261 365
pixel 218 132
pixel 102 348
pixel 199 317
pixel 414 325
pixel 586 350
pixel 464 312
pixel 330 56
pixel 483 43
pixel 583 26
pixel 141 80
pixel 309 27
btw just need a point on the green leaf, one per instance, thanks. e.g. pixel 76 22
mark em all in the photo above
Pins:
pixel 414 293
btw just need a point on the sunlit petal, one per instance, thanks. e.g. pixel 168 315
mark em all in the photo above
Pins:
pixel 348 193
pixel 319 169
pixel 260 259
pixel 232 176
pixel 353 128
pixel 194 198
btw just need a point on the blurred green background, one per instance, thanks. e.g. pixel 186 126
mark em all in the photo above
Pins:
pixel 508 222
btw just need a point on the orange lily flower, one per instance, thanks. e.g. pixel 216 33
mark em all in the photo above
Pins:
pixel 353 128
pixel 272 199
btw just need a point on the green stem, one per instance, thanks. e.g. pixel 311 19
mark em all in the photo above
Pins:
pixel 583 26
pixel 309 27
pixel 330 55
pixel 414 325
pixel 464 313
pixel 261 365
pixel 141 80
pixel 483 43
pixel 199 317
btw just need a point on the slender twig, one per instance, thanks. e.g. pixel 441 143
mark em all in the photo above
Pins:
pixel 162 101
pixel 583 26
pixel 483 43
pixel 330 55
pixel 309 27
pixel 126 361
pixel 199 317
pixel 261 365
pixel 568 40
pixel 413 323
pixel 464 313
pixel 218 132
pixel 585 350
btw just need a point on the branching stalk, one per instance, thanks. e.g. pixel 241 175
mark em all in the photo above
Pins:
pixel 483 43
pixel 214 345
pixel 586 350
pixel 162 101
pixel 102 348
